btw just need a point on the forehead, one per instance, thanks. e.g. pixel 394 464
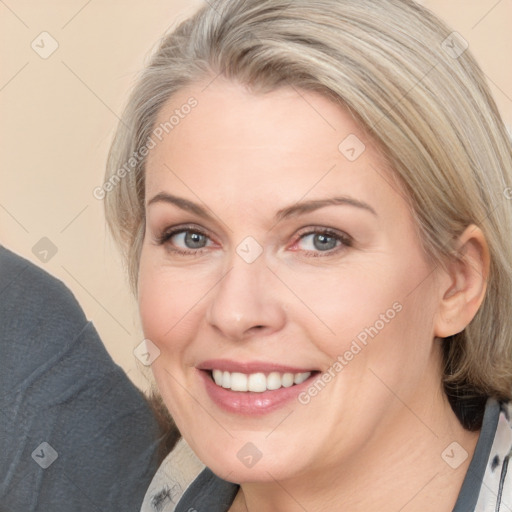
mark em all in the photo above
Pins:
pixel 237 145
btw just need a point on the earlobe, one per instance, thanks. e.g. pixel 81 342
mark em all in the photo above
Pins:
pixel 463 284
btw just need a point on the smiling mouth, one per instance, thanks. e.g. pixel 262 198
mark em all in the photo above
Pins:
pixel 257 382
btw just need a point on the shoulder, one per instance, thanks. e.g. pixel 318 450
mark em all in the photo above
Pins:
pixel 37 311
pixel 59 386
pixel 39 315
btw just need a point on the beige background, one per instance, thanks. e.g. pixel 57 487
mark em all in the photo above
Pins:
pixel 58 115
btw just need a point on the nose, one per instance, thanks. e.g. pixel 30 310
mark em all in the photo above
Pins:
pixel 246 302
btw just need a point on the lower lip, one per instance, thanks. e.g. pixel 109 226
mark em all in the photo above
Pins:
pixel 250 403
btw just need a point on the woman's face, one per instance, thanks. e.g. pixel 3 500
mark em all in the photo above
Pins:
pixel 277 250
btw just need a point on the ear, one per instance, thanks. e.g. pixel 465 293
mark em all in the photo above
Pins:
pixel 463 284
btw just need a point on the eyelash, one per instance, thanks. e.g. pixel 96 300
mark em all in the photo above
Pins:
pixel 165 236
pixel 344 239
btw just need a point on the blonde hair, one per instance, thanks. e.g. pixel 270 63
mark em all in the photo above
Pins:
pixel 409 81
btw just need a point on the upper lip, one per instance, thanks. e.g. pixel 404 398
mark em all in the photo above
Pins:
pixel 248 367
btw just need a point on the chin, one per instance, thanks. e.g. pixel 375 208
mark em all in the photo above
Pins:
pixel 243 461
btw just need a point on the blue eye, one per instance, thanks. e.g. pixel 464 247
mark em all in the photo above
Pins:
pixel 185 239
pixel 323 241
pixel 189 240
pixel 319 242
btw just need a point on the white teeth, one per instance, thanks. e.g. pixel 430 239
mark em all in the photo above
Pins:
pixel 238 381
pixel 273 381
pixel 217 377
pixel 257 382
pixel 300 377
pixel 226 379
pixel 287 380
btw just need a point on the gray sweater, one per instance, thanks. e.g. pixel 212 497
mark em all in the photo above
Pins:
pixel 75 433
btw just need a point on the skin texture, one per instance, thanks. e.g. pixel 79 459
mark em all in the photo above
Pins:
pixel 376 432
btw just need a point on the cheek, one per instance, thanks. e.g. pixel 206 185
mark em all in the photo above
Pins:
pixel 339 305
pixel 169 302
pixel 170 310
pixel 376 306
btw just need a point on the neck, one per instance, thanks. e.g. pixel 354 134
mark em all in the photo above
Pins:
pixel 400 468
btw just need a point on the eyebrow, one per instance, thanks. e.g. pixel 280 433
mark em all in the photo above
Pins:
pixel 298 208
pixel 302 207
pixel 180 202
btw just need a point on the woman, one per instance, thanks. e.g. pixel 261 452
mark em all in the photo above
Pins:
pixel 312 198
